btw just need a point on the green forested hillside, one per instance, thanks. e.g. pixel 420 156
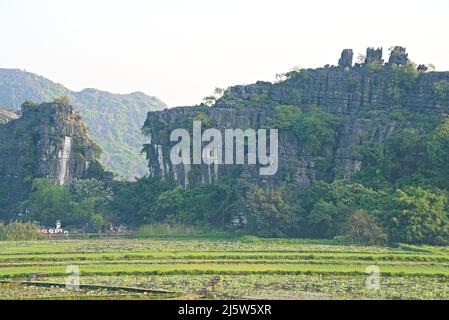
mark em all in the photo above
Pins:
pixel 114 120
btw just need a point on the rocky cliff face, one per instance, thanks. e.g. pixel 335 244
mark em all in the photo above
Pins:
pixel 47 141
pixel 158 152
pixel 363 96
pixel 114 120
pixel 6 116
pixel 52 135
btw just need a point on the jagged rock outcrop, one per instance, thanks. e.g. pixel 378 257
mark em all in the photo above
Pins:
pixel 423 68
pixel 373 55
pixel 346 58
pixel 47 141
pixel 398 56
pixel 359 96
pixel 51 138
pixel 6 116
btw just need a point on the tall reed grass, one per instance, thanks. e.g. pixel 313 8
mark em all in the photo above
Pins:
pixel 17 231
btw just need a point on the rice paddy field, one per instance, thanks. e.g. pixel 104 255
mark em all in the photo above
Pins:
pixel 219 269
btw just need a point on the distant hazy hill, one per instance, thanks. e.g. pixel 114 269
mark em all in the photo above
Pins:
pixel 114 120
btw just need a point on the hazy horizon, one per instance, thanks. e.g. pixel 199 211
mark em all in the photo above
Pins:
pixel 180 51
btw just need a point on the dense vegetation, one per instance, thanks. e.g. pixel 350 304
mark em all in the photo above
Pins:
pixel 400 194
pixel 114 120
pixel 83 205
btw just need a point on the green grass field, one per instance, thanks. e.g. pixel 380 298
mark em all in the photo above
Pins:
pixel 247 269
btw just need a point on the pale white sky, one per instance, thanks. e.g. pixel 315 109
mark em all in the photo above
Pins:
pixel 180 50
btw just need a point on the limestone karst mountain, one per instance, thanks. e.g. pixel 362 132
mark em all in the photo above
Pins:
pixel 114 120
pixel 47 141
pixel 343 110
